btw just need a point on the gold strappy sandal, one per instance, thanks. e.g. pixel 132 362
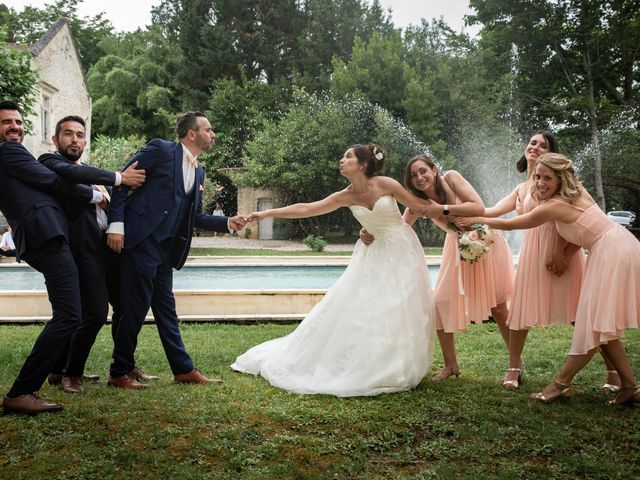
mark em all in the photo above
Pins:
pixel 564 391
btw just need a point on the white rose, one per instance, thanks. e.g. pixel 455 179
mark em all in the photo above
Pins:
pixel 466 254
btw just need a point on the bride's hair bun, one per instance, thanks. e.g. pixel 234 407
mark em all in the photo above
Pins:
pixel 373 156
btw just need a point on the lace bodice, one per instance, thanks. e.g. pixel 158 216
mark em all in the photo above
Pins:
pixel 383 220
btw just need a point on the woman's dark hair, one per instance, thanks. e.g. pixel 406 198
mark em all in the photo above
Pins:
pixel 521 164
pixel 372 155
pixel 441 196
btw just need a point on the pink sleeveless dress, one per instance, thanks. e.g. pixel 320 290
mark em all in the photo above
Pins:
pixel 540 297
pixel 610 295
pixel 465 292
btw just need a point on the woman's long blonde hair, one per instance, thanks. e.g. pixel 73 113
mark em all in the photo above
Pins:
pixel 570 187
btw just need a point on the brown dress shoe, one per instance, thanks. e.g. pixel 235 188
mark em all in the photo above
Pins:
pixel 194 376
pixel 30 404
pixel 125 381
pixel 139 375
pixel 54 378
pixel 72 384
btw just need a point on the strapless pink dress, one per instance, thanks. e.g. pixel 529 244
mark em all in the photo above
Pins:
pixel 540 297
pixel 610 296
pixel 466 292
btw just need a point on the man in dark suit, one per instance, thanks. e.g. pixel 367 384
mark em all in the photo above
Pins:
pixel 40 233
pixel 152 228
pixel 97 265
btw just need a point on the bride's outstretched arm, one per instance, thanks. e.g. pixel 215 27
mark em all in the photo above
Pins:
pixel 303 210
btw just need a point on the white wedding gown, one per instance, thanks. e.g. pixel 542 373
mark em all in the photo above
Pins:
pixel 372 332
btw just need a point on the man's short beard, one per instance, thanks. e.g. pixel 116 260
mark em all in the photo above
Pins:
pixel 72 155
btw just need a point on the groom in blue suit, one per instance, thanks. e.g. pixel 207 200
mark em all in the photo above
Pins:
pixel 152 226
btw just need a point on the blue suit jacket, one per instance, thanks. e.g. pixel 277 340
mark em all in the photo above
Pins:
pixel 143 210
pixel 26 199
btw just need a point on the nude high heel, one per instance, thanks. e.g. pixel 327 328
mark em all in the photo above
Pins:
pixel 613 376
pixel 513 382
pixel 563 391
pixel 627 396
pixel 447 372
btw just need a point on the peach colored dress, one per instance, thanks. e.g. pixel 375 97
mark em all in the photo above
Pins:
pixel 540 297
pixel 466 292
pixel 610 295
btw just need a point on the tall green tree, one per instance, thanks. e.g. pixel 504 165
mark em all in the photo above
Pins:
pixel 330 30
pixel 577 61
pixel 379 72
pixel 17 78
pixel 134 85
pixel 299 154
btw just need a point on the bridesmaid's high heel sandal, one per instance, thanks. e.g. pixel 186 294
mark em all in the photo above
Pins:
pixel 509 380
pixel 562 391
pixel 627 396
pixel 613 382
pixel 447 372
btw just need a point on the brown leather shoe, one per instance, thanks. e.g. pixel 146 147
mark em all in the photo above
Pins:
pixel 194 376
pixel 54 378
pixel 139 375
pixel 72 384
pixel 30 404
pixel 125 381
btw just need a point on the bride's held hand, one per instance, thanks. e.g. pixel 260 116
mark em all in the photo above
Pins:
pixel 256 217
pixel 366 237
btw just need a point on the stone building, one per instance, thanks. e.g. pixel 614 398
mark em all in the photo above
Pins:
pixel 61 88
pixel 252 199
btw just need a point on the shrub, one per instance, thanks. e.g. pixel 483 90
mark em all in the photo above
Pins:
pixel 316 244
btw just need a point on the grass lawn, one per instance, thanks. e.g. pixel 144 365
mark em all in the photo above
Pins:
pixel 468 427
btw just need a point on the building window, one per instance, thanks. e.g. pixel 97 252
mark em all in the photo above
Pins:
pixel 45 118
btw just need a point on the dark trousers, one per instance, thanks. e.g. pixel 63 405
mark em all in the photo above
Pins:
pixel 54 260
pixel 147 281
pixel 99 285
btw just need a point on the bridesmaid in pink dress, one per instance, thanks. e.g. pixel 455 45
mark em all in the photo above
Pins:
pixel 539 294
pixel 614 254
pixel 464 293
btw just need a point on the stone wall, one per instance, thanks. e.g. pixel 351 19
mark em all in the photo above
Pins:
pixel 248 203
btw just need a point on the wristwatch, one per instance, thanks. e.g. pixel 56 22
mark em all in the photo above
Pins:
pixel 445 210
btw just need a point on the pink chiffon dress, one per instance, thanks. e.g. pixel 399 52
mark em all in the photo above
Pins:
pixel 610 295
pixel 540 297
pixel 466 292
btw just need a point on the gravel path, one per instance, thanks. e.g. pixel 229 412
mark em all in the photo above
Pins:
pixel 229 241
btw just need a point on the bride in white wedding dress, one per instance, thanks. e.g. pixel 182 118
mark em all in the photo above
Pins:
pixel 372 332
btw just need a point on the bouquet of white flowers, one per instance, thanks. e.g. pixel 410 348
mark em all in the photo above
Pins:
pixel 473 243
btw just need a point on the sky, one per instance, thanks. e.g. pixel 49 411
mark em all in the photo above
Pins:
pixel 127 15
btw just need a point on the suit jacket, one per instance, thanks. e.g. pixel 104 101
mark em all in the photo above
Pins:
pixel 146 207
pixel 26 198
pixel 84 233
